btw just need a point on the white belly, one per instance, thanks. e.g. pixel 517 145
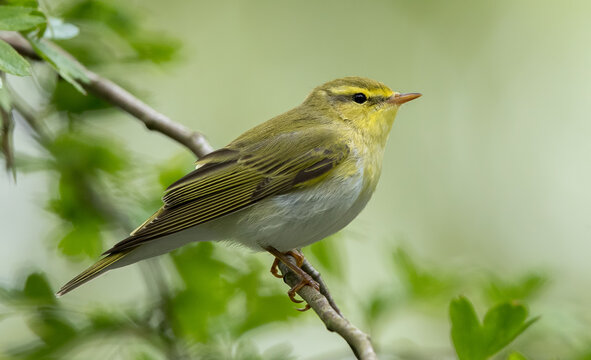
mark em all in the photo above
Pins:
pixel 303 217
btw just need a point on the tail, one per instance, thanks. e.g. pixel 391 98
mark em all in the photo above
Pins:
pixel 95 270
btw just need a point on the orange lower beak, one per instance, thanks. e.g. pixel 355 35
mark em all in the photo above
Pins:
pixel 400 99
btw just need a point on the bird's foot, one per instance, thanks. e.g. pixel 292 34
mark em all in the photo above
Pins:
pixel 296 254
pixel 305 279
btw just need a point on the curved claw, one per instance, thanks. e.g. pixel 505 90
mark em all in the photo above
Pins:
pixel 275 269
pixel 305 278
pixel 292 297
pixel 305 308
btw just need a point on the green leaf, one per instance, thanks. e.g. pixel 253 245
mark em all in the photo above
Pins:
pixel 67 98
pixel 17 18
pixel 203 281
pixel 421 283
pixel 501 325
pixel 82 240
pixel 68 68
pixel 525 288
pixel 24 3
pixel 155 48
pixel 38 290
pixel 466 330
pixel 11 62
pixel 52 328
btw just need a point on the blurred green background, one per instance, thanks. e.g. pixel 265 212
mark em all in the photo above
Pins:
pixel 484 191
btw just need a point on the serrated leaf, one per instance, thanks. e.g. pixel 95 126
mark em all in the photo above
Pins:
pixel 69 69
pixel 12 62
pixel 17 18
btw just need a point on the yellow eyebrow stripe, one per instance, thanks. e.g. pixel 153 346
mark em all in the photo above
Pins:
pixel 350 90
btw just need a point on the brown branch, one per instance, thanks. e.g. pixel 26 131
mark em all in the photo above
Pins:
pixel 117 96
pixel 320 301
pixel 359 342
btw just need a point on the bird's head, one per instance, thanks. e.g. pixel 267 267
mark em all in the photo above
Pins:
pixel 365 104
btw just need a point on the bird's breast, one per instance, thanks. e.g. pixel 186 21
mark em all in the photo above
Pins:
pixel 301 217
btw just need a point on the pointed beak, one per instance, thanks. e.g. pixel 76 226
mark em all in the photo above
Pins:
pixel 399 99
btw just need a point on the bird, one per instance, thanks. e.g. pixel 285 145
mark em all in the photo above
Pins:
pixel 282 185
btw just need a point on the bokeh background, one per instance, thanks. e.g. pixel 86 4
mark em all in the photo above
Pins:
pixel 485 184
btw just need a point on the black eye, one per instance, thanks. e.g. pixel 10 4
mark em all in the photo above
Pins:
pixel 359 98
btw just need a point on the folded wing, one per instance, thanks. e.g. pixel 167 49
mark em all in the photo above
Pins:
pixel 238 176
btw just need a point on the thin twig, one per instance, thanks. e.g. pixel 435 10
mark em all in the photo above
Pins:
pixel 117 96
pixel 153 120
pixel 320 301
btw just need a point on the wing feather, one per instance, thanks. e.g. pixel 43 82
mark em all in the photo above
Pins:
pixel 231 179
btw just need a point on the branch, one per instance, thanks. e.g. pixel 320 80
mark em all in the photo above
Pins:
pixel 117 96
pixel 153 120
pixel 330 315
pixel 320 301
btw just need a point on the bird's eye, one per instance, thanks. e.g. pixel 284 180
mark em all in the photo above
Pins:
pixel 359 98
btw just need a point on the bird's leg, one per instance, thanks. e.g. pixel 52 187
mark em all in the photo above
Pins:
pixel 305 279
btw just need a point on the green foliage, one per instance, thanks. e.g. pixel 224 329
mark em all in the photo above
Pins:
pixel 11 62
pixel 116 24
pixel 82 161
pixel 522 289
pixel 69 70
pixel 209 285
pixel 420 283
pixel 23 3
pixel 327 254
pixel 67 98
pixel 516 356
pixel 37 290
pixel 17 18
pixel 479 341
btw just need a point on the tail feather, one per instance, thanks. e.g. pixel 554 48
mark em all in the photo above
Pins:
pixel 95 270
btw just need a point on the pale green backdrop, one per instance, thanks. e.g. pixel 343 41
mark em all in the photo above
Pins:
pixel 489 171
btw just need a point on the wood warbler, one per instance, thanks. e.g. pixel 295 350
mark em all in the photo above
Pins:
pixel 282 185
